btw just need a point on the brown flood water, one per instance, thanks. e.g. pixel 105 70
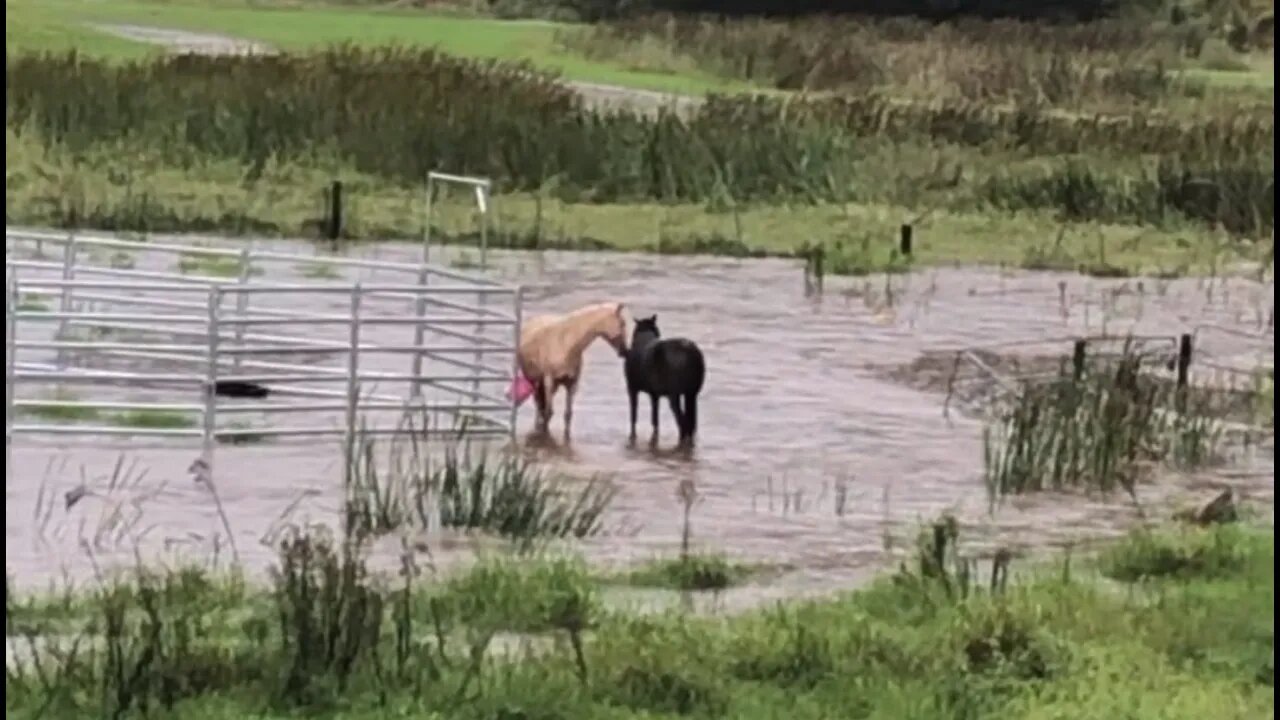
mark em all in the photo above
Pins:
pixel 798 410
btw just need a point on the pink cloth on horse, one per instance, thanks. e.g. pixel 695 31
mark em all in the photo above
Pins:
pixel 520 389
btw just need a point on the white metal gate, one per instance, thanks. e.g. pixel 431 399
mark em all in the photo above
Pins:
pixel 218 350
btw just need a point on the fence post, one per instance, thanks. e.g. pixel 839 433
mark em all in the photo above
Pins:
pixel 428 209
pixel 1077 359
pixel 482 329
pixel 10 359
pixel 210 416
pixel 353 375
pixel 67 299
pixel 482 204
pixel 904 240
pixel 335 210
pixel 242 304
pixel 1184 359
pixel 516 369
pixel 479 339
pixel 419 330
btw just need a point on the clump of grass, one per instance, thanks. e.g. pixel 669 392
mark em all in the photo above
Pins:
pixel 61 409
pixel 512 498
pixel 428 487
pixel 689 572
pixel 330 615
pixel 33 302
pixel 1095 429
pixel 1263 396
pixel 522 595
pixel 152 419
pixel 241 434
pixel 121 260
pixel 318 271
pixel 212 266
pixel 860 258
pixel 1214 552
pixel 939 565
pixel 463 260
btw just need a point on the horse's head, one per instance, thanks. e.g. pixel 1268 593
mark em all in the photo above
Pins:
pixel 645 331
pixel 614 330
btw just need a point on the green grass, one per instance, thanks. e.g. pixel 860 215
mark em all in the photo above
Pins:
pixel 318 271
pixel 31 25
pixel 150 419
pixel 695 572
pixel 213 196
pixel 59 413
pixel 1180 554
pixel 243 434
pixel 60 24
pixel 142 418
pixel 195 263
pixel 34 302
pixel 521 595
pixel 1060 641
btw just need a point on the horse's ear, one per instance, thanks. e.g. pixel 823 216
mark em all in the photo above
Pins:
pixel 620 308
pixel 654 318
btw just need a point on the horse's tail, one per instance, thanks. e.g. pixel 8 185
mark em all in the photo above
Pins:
pixel 690 415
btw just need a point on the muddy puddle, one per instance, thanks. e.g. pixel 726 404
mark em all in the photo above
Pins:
pixel 822 438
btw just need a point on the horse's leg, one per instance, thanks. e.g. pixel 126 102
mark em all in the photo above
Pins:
pixel 570 389
pixel 674 401
pixel 548 391
pixel 539 397
pixel 653 412
pixel 634 396
pixel 690 418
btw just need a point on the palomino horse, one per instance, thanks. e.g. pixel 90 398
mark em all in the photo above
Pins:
pixel 672 368
pixel 551 348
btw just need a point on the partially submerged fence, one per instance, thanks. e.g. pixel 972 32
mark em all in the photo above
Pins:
pixel 221 345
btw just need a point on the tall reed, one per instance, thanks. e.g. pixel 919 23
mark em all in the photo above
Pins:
pixel 1095 430
pixel 422 485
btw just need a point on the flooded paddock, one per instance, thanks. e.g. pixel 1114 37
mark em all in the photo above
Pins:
pixel 815 443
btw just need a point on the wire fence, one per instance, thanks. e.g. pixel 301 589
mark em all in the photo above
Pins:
pixel 103 338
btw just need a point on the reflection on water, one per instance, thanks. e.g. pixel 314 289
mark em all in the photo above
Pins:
pixel 807 455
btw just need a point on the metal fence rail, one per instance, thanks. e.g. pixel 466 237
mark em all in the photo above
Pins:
pixel 204 350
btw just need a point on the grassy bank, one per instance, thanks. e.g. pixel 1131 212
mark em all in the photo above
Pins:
pixel 246 145
pixel 1170 624
pixel 999 170
pixel 48 187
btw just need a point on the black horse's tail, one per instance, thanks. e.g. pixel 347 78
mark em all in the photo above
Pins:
pixel 690 416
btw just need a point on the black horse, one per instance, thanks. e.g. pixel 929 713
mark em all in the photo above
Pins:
pixel 671 368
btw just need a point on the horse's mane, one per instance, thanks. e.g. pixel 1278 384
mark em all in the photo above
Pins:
pixel 573 316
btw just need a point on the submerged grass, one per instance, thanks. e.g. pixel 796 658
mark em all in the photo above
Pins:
pixel 212 266
pixel 152 419
pixel 63 406
pixel 1097 427
pixel 688 572
pixel 415 485
pixel 328 638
